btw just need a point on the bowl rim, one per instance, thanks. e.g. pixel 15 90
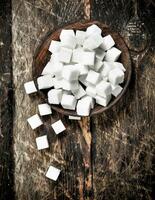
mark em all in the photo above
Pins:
pixel 85 24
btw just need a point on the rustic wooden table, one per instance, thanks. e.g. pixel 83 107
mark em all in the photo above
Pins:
pixel 109 156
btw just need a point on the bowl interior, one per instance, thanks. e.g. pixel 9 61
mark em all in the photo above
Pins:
pixel 42 56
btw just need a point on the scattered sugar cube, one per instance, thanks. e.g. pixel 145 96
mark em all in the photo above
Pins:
pixel 69 42
pixel 93 29
pixel 91 91
pixel 48 69
pixel 83 69
pixel 76 56
pixel 116 90
pixel 53 173
pixel 83 107
pixel 100 53
pixel 57 82
pixel 98 64
pixel 103 101
pixel 35 121
pixel 54 46
pixel 103 89
pixel 66 32
pixel 74 117
pixel 58 127
pixel 57 69
pixel 30 87
pixel 54 96
pixel 44 109
pixel 70 73
pixel 67 85
pixel 45 82
pixel 112 54
pixel 116 76
pixel 90 99
pixel 80 37
pixel 68 102
pixel 65 55
pixel 107 67
pixel 93 77
pixel 42 142
pixel 92 42
pixel 107 43
pixel 88 58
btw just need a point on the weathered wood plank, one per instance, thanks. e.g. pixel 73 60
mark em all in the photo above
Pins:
pixel 6 103
pixel 31 21
pixel 123 137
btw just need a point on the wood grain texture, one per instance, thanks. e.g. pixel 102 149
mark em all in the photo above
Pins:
pixel 111 155
pixel 6 104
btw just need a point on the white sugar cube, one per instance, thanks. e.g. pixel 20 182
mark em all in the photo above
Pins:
pixel 57 82
pixel 90 99
pixel 100 53
pixel 107 43
pixel 74 117
pixel 92 42
pixel 103 88
pixel 98 64
pixel 83 107
pixel 83 69
pixel 30 87
pixel 45 82
pixel 54 96
pixel 53 173
pixel 116 76
pixel 67 85
pixel 69 42
pixel 54 46
pixel 79 93
pixel 35 121
pixel 42 142
pixel 91 91
pixel 58 127
pixel 93 29
pixel 48 69
pixel 66 32
pixel 93 77
pixel 106 68
pixel 112 54
pixel 65 55
pixel 70 73
pixel 80 37
pixel 57 69
pixel 76 55
pixel 103 101
pixel 88 58
pixel 116 90
pixel 68 102
pixel 44 109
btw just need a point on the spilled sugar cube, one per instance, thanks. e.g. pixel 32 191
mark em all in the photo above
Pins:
pixel 42 142
pixel 58 127
pixel 84 70
pixel 44 109
pixel 30 87
pixel 34 121
pixel 53 173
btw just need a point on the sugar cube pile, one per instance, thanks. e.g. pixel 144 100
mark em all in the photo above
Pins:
pixel 83 63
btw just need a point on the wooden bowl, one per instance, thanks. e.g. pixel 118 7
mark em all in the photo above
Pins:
pixel 42 56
